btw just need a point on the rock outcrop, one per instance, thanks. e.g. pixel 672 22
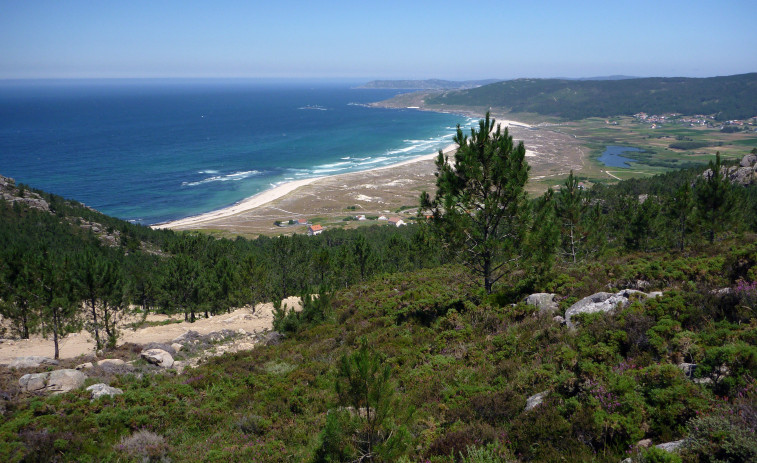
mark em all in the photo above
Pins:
pixel 744 174
pixel 604 302
pixel 52 381
pixel 32 361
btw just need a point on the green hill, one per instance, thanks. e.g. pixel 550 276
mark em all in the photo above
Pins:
pixel 402 357
pixel 428 84
pixel 729 97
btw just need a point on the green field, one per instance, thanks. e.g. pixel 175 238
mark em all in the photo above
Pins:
pixel 657 155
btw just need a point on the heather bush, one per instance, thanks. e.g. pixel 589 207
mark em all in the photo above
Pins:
pixel 144 446
pixel 492 453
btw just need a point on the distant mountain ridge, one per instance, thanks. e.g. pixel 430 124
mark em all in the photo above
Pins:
pixel 728 97
pixel 428 84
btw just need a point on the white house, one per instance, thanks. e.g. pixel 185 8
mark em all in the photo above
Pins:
pixel 396 221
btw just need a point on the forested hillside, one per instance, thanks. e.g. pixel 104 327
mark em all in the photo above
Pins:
pixel 405 354
pixel 729 97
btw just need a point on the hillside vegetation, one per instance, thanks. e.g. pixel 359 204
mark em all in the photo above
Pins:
pixel 403 355
pixel 728 97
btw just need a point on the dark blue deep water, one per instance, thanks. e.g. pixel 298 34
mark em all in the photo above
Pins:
pixel 153 151
pixel 613 156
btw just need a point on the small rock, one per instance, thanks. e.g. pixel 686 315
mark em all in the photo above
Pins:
pixel 179 366
pixel 84 366
pixel 241 331
pixel 32 361
pixel 558 319
pixel 688 369
pixel 177 347
pixel 535 400
pixel 644 443
pixel 157 357
pixel 110 363
pixel 101 389
pixel 671 446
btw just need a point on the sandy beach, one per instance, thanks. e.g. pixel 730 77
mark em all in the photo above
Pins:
pixel 392 189
pixel 279 191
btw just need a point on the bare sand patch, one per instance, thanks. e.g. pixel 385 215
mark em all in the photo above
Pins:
pixel 82 343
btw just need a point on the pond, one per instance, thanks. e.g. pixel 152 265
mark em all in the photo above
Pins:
pixel 612 156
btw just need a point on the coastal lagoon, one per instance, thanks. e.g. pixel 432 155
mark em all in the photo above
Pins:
pixel 613 156
pixel 151 151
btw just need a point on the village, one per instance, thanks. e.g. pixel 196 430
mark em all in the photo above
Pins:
pixel 699 120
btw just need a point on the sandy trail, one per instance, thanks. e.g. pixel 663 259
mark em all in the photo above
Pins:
pixel 82 343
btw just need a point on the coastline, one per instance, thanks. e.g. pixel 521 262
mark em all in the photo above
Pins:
pixel 268 196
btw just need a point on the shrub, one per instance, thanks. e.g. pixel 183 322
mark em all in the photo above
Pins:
pixel 491 453
pixel 720 438
pixel 146 446
pixel 253 424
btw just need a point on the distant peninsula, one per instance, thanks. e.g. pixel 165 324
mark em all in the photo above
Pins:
pixel 428 84
pixel 726 97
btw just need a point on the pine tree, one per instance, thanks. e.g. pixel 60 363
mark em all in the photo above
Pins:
pixel 480 211
pixel 571 206
pixel 681 211
pixel 715 199
pixel 56 296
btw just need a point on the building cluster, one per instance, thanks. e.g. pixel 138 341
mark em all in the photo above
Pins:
pixel 697 120
pixel 317 229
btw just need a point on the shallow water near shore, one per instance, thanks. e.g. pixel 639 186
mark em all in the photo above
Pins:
pixel 151 151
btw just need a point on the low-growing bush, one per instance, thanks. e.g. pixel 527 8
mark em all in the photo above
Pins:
pixel 144 446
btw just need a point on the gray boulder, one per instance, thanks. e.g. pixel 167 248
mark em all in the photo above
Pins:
pixel 545 302
pixel 749 160
pixel 33 361
pixel 106 363
pixel 672 446
pixel 535 400
pixel 688 369
pixel 101 389
pixel 157 357
pixel 52 381
pixel 601 302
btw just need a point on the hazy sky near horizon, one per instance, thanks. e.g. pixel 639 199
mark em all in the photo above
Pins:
pixel 375 39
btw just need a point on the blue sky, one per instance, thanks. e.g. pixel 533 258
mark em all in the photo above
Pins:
pixel 375 39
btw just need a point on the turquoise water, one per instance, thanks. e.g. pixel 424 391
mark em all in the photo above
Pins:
pixel 151 150
pixel 612 156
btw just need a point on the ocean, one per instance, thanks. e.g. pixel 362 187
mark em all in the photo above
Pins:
pixel 151 151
